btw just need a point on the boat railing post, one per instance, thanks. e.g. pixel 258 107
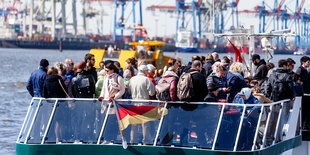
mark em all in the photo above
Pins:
pixel 218 126
pixel 239 128
pixel 266 127
pixel 32 122
pixel 28 111
pixel 278 122
pixel 257 126
pixel 160 123
pixel 49 121
pixel 300 120
pixel 104 123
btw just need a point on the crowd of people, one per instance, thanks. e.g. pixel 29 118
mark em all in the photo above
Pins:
pixel 208 79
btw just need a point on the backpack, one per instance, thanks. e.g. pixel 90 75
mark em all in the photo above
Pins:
pixel 185 87
pixel 278 88
pixel 162 89
pixel 84 85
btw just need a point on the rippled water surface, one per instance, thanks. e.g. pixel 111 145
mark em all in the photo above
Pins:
pixel 16 67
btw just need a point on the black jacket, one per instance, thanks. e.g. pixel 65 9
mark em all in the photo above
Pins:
pixel 271 88
pixel 208 67
pixel 261 71
pixel 93 72
pixel 302 72
pixel 52 88
pixel 211 98
pixel 83 85
pixel 200 86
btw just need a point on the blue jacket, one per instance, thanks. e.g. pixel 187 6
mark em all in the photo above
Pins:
pixel 236 82
pixel 251 100
pixel 36 81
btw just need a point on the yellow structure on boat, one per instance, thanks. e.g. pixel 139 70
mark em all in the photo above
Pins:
pixel 145 50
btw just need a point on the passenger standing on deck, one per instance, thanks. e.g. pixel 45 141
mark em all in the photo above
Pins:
pixel 128 74
pixel 150 75
pixel 208 65
pixel 141 88
pixel 36 80
pixel 261 70
pixel 249 121
pixel 171 78
pixel 217 78
pixel 290 65
pixel 189 65
pixel 90 62
pixel 216 57
pixel 99 83
pixel 199 82
pixel 62 72
pixel 235 80
pixel 302 72
pixel 69 75
pixel 213 91
pixel 225 62
pixel 158 75
pixel 54 86
pixel 113 84
pixel 101 66
pixel 83 85
pixel 280 84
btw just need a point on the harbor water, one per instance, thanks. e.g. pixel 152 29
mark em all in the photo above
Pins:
pixel 16 67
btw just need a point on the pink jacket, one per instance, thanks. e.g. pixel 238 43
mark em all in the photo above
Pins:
pixel 173 83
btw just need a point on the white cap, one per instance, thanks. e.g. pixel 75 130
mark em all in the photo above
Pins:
pixel 142 68
pixel 151 68
pixel 246 92
pixel 127 73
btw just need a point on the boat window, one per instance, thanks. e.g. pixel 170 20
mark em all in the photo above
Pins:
pixel 28 120
pixel 134 134
pixel 41 120
pixel 189 125
pixel 77 122
pixel 111 55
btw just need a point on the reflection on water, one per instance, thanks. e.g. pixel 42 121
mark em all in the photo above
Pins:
pixel 16 67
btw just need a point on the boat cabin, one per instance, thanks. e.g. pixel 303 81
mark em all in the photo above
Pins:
pixel 89 126
pixel 141 48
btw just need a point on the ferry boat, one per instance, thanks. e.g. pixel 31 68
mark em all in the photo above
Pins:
pixel 142 48
pixel 88 126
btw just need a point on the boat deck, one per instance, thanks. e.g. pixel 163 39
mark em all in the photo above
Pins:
pixel 80 126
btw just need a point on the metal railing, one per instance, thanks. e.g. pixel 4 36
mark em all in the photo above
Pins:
pixel 286 113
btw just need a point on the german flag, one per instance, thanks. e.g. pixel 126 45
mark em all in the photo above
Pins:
pixel 131 114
